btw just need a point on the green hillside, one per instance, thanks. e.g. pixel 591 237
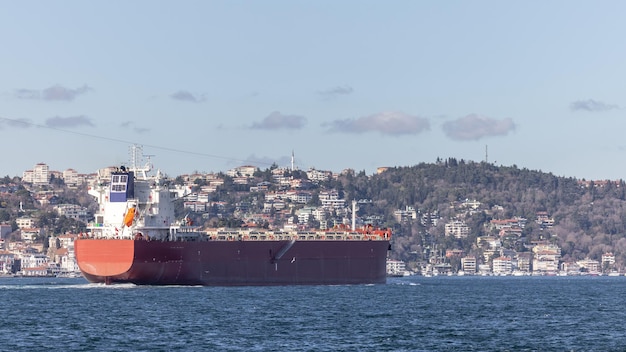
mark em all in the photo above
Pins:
pixel 589 217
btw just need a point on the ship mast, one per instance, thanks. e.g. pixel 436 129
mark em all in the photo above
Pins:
pixel 354 215
pixel 136 156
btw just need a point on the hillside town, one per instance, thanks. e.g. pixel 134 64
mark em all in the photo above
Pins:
pixel 288 203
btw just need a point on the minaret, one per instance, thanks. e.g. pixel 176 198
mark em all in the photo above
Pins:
pixel 292 157
pixel 486 155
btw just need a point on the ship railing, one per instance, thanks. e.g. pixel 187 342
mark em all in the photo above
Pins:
pixel 260 235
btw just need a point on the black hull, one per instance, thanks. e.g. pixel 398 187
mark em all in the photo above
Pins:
pixel 242 263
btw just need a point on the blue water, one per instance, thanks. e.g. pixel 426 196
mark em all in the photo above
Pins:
pixel 406 314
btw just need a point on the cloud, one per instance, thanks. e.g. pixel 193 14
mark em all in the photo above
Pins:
pixel 16 123
pixel 184 95
pixel 276 120
pixel 27 94
pixel 131 125
pixel 389 123
pixel 335 92
pixel 475 127
pixel 72 121
pixel 591 105
pixel 56 92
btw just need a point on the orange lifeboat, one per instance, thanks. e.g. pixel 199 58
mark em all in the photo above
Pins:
pixel 130 216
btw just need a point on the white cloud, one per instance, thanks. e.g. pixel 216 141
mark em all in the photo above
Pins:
pixel 388 123
pixel 475 127
pixel 276 120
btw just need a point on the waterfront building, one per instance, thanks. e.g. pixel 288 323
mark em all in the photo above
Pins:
pixel 546 258
pixel 523 261
pixel 502 266
pixel 589 265
pixel 6 262
pixel 396 268
pixel 608 258
pixel 468 264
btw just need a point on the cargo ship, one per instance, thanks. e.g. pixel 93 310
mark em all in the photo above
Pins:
pixel 135 238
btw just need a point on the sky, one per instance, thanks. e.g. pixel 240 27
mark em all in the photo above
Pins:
pixel 205 86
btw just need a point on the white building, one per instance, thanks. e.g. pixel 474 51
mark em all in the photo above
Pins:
pixel 592 266
pixel 457 228
pixel 39 175
pixel 72 211
pixel 25 222
pixel 34 260
pixel 546 258
pixel 29 235
pixel 468 264
pixel 70 177
pixel 409 213
pixel 396 268
pixel 502 266
pixel 244 171
pixel 6 262
pixel 318 175
pixel 330 199
pixel 608 258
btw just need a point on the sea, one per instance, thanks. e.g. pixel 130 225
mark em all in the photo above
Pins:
pixel 406 314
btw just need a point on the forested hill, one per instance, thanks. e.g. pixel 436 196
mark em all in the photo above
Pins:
pixel 589 217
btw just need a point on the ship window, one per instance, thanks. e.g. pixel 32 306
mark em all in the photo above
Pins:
pixel 115 179
pixel 118 188
pixel 123 178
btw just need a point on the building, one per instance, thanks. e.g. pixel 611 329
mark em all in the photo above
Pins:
pixel 608 259
pixel 546 258
pixel 318 175
pixel 29 235
pixel 330 199
pixel 72 211
pixel 589 265
pixel 523 261
pixel 468 264
pixel 457 228
pixel 502 266
pixel 490 245
pixel 396 268
pixel 430 218
pixel 409 213
pixel 242 171
pixel 25 222
pixel 71 177
pixel 34 260
pixel 6 262
pixel 5 230
pixel 39 175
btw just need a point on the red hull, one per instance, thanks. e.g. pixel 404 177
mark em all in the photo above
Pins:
pixel 233 263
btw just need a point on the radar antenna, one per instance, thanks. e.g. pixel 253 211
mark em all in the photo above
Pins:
pixel 136 156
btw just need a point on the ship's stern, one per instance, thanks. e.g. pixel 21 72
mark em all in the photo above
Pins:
pixel 104 260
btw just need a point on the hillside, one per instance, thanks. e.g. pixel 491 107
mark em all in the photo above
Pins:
pixel 585 219
pixel 589 218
